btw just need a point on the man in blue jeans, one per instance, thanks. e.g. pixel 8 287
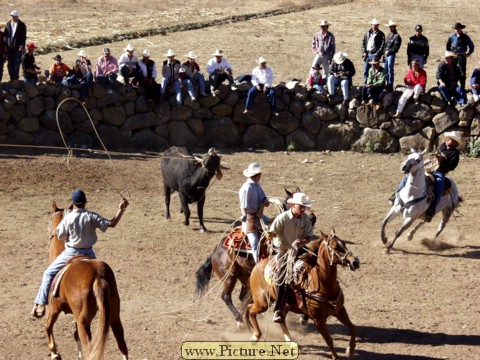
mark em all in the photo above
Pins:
pixel 262 79
pixel 78 229
pixel 393 41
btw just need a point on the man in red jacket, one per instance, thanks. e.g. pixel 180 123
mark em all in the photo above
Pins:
pixel 415 80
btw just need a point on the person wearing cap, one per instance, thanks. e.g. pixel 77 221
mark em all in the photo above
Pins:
pixel 341 74
pixel 190 72
pixel 415 81
pixel 106 70
pixel 448 77
pixel 448 157
pixel 315 79
pixel 219 70
pixel 262 81
pixel 418 48
pixel 393 41
pixel 373 45
pixel 291 229
pixel 78 229
pixel 475 83
pixel 127 63
pixel 252 200
pixel 323 47
pixel 15 37
pixel 146 77
pixel 375 84
pixel 462 46
pixel 29 66
pixel 58 71
pixel 171 76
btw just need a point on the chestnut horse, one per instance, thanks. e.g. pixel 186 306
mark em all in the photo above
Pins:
pixel 230 266
pixel 323 295
pixel 87 285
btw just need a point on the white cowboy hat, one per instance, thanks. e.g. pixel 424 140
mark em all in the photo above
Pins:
pixel 191 55
pixel 449 54
pixel 456 136
pixel 300 199
pixel 82 53
pixel 170 53
pixel 339 57
pixel 218 53
pixel 391 23
pixel 252 170
pixel 375 60
pixel 261 60
pixel 15 13
pixel 146 53
pixel 374 22
pixel 324 23
pixel 129 48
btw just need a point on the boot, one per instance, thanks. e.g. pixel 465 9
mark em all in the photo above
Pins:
pixel 279 314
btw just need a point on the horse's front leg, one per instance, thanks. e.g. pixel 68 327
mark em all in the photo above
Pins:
pixel 322 328
pixel 391 214
pixel 406 224
pixel 343 317
pixel 412 232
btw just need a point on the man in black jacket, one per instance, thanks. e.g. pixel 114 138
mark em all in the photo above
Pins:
pixel 373 46
pixel 418 48
pixel 15 36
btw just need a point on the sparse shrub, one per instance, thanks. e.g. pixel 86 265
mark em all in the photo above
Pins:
pixel 473 149
pixel 372 147
pixel 292 146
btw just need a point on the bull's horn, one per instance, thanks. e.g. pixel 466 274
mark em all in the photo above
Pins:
pixel 223 167
pixel 198 158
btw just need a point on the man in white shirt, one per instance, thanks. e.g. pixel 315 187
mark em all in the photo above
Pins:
pixel 219 70
pixel 262 79
pixel 128 64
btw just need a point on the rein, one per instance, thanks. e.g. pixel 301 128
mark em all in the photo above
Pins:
pixel 332 252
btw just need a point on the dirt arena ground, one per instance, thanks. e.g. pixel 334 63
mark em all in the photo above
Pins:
pixel 420 302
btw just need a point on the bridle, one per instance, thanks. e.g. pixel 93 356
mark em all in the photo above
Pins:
pixel 332 252
pixel 412 163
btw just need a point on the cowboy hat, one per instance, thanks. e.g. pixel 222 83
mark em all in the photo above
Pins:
pixel 261 60
pixel 300 199
pixel 170 53
pixel 339 57
pixel 129 48
pixel 324 23
pixel 82 53
pixel 391 23
pixel 252 169
pixel 191 55
pixel 218 53
pixel 57 57
pixel 456 136
pixel 449 54
pixel 146 53
pixel 458 26
pixel 374 22
pixel 374 61
pixel 316 66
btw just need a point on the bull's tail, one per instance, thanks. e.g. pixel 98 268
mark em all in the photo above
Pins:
pixel 101 289
pixel 204 274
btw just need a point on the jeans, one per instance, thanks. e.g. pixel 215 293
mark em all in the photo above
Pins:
pixel 107 81
pixel 409 91
pixel 456 92
pixel 254 240
pixel 14 62
pixel 439 187
pixel 176 86
pixel 125 72
pixel 188 84
pixel 373 92
pixel 334 81
pixel 389 64
pixel 270 93
pixel 55 267
pixel 217 78
pixel 419 58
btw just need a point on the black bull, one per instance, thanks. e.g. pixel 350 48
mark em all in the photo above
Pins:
pixel 190 176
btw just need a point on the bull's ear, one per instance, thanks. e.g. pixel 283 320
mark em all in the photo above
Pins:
pixel 289 194
pixel 218 174
pixel 212 151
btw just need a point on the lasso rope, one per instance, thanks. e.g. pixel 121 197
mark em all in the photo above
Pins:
pixel 70 152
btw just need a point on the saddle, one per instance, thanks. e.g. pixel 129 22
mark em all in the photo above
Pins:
pixel 237 242
pixel 58 278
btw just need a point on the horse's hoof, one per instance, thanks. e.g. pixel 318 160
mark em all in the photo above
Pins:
pixel 202 230
pixel 55 356
pixel 253 338
pixel 241 325
pixel 387 250
pixel 303 321
pixel 384 240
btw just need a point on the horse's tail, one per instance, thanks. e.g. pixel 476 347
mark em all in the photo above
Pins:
pixel 204 274
pixel 101 289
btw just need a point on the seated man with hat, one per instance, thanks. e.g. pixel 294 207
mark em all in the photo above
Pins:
pixel 291 229
pixel 315 79
pixel 462 46
pixel 127 63
pixel 58 72
pixel 146 76
pixel 341 73
pixel 448 75
pixel 171 76
pixel 375 84
pixel 190 72
pixel 219 70
pixel 262 79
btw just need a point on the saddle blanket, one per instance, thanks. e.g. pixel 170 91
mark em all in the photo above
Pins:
pixel 237 241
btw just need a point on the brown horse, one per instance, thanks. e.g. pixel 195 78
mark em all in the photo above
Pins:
pixel 322 292
pixel 232 266
pixel 86 286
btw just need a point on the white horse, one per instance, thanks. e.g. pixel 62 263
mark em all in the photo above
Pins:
pixel 413 200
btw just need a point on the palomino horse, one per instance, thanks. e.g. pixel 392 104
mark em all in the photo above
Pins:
pixel 322 292
pixel 413 200
pixel 230 266
pixel 86 286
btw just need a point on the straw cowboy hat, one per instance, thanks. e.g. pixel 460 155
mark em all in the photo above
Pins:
pixel 129 48
pixel 374 61
pixel 459 26
pixel 261 60
pixel 218 53
pixel 374 22
pixel 82 53
pixel 339 57
pixel 170 53
pixel 252 169
pixel 456 136
pixel 324 23
pixel 191 55
pixel 146 53
pixel 391 23
pixel 449 54
pixel 300 199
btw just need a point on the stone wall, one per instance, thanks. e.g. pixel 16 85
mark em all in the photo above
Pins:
pixel 306 121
